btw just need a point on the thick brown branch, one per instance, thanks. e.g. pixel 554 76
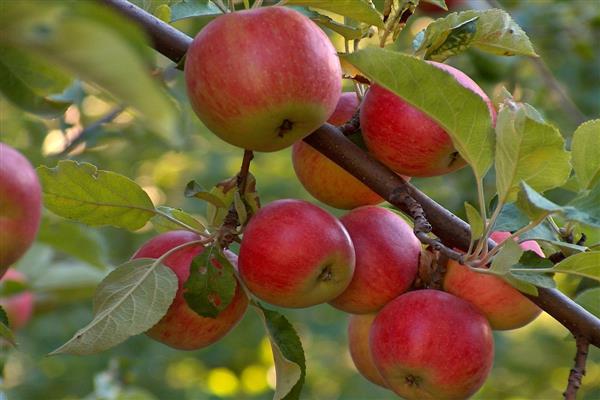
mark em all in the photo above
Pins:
pixel 451 230
pixel 578 370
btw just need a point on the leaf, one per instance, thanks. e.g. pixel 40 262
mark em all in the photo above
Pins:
pixel 582 264
pixel 585 149
pixel 494 32
pixel 534 205
pixel 566 248
pixel 5 333
pixel 588 299
pixel 440 3
pixel 347 31
pixel 193 189
pixel 129 301
pixel 240 208
pixel 475 221
pixel 360 10
pixel 211 284
pixel 194 8
pixel 462 113
pixel 288 354
pixel 23 96
pixel 510 218
pixel 521 286
pixel 509 255
pixel 585 208
pixel 163 221
pixel 74 240
pixel 81 192
pixel 537 279
pixel 83 38
pixel 529 150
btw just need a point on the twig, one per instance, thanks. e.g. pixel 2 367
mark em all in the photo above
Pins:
pixel 578 371
pixel 90 129
pixel 351 126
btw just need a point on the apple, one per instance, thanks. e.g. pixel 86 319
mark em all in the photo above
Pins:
pixel 325 180
pixel 18 306
pixel 406 139
pixel 262 79
pixel 428 344
pixel 20 206
pixel 503 305
pixel 295 254
pixel 359 327
pixel 181 327
pixel 387 259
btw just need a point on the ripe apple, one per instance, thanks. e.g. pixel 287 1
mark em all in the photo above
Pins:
pixel 181 328
pixel 325 180
pixel 359 327
pixel 406 139
pixel 295 254
pixel 262 79
pixel 18 306
pixel 387 259
pixel 428 344
pixel 20 206
pixel 503 305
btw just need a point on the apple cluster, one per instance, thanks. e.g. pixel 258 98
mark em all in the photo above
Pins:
pixel 21 208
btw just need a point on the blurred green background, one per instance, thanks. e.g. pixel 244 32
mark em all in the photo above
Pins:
pixel 68 260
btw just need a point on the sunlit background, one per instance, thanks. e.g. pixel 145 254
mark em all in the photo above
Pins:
pixel 66 263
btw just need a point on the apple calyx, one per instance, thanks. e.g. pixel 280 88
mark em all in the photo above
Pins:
pixel 285 127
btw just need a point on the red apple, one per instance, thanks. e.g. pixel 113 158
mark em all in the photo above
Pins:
pixel 181 327
pixel 20 206
pixel 295 254
pixel 428 344
pixel 359 327
pixel 387 259
pixel 503 305
pixel 19 306
pixel 325 180
pixel 262 79
pixel 406 139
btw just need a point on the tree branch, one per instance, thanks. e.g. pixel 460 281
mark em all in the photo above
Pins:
pixel 578 371
pixel 327 139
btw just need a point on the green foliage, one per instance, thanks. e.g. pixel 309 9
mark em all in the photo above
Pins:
pixel 359 10
pixel 81 192
pixel 129 301
pixel 212 283
pixel 5 332
pixel 529 150
pixel 475 221
pixel 204 9
pixel 582 264
pixel 588 299
pixel 288 354
pixel 586 153
pixel 172 219
pixel 492 31
pixel 462 113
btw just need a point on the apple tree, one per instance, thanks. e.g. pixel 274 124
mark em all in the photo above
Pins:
pixel 172 139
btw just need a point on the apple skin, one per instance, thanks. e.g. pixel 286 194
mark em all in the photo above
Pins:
pixel 325 180
pixel 18 307
pixel 428 344
pixel 181 328
pixel 20 206
pixel 295 254
pixel 503 305
pixel 359 327
pixel 262 79
pixel 387 259
pixel 406 139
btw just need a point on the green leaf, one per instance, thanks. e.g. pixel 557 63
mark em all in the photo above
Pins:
pixel 475 221
pixel 510 218
pixel 582 264
pixel 165 220
pixel 360 10
pixel 585 149
pixel 288 354
pixel 211 284
pixel 462 113
pixel 5 332
pixel 440 3
pixel 585 208
pixel 240 208
pixel 567 249
pixel 534 205
pixel 494 31
pixel 347 31
pixel 83 38
pixel 194 8
pixel 74 240
pixel 509 255
pixel 163 12
pixel 9 287
pixel 588 299
pixel 528 150
pixel 129 301
pixel 536 279
pixel 81 192
pixel 193 189
pixel 21 94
